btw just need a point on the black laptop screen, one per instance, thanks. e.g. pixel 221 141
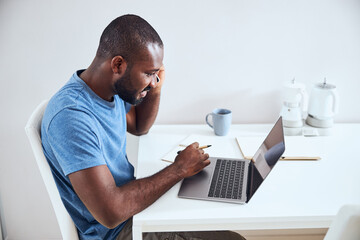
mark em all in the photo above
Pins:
pixel 266 157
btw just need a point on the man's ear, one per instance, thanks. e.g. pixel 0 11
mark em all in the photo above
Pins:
pixel 118 65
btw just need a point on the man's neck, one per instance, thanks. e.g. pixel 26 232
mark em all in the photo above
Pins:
pixel 98 80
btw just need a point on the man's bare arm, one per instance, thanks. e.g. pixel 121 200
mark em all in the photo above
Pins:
pixel 111 205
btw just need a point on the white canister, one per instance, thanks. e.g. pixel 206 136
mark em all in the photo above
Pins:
pixel 323 105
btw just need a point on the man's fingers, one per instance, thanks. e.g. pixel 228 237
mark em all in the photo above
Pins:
pixel 195 144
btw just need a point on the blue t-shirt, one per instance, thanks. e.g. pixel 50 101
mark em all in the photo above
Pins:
pixel 80 130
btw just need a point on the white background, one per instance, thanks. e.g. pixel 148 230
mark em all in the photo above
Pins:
pixel 231 54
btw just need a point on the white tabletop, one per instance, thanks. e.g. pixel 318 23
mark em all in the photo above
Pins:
pixel 296 194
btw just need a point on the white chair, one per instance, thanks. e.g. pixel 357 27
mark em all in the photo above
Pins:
pixel 33 128
pixel 346 225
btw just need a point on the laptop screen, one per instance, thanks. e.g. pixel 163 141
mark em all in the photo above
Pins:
pixel 266 157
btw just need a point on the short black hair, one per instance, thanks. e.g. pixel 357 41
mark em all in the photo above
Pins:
pixel 125 36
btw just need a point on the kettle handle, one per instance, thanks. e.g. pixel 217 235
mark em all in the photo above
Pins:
pixel 305 99
pixel 335 101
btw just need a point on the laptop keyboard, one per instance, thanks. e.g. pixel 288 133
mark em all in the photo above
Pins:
pixel 227 179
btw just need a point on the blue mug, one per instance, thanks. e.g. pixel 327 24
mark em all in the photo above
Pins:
pixel 221 121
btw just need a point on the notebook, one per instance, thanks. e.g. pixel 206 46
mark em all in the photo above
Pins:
pixel 220 146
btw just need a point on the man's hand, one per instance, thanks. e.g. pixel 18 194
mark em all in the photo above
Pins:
pixel 140 118
pixel 191 160
pixel 161 75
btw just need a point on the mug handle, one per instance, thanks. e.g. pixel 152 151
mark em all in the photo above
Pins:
pixel 207 120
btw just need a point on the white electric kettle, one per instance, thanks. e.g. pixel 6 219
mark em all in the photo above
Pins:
pixel 323 105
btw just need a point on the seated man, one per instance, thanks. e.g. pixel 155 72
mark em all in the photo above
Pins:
pixel 84 135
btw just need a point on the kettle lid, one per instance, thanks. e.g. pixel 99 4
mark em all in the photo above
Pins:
pixel 325 85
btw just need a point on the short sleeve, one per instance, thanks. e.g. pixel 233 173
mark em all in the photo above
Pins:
pixel 74 141
pixel 127 106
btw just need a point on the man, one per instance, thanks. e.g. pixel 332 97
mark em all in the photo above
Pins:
pixel 84 134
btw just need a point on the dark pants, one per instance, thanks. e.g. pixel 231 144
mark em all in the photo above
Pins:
pixel 126 234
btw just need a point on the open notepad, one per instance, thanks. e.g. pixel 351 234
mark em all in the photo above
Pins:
pixel 220 147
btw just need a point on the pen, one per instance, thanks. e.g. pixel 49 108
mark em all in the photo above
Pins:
pixel 202 147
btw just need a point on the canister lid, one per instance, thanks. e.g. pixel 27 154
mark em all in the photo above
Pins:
pixel 294 84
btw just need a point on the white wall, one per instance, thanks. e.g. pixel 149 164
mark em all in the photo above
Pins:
pixel 232 54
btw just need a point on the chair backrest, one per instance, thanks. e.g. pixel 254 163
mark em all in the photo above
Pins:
pixel 346 224
pixel 33 128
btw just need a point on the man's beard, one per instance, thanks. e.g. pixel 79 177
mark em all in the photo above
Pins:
pixel 123 89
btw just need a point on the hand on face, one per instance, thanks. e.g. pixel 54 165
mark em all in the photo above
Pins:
pixel 161 75
pixel 157 82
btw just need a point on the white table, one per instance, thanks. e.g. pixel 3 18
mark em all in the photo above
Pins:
pixel 295 195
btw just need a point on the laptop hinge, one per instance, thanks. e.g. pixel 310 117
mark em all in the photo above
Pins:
pixel 249 181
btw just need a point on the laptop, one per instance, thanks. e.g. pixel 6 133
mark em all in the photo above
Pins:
pixel 236 180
